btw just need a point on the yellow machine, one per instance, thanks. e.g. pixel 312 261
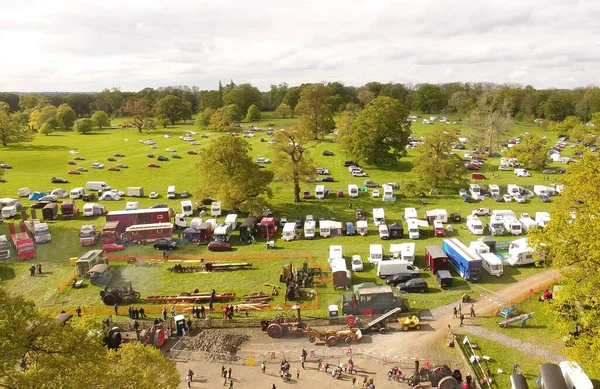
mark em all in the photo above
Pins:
pixel 410 322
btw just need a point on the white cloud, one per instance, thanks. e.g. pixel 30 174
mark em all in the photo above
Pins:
pixel 89 46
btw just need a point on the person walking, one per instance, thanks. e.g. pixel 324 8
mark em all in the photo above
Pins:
pixel 459 308
pixel 32 270
pixel 229 371
pixel 188 379
pixel 39 268
pixel 116 307
pixel 164 313
pixel 472 310
pixel 191 374
pixel 273 387
pixel 165 255
pixel 78 311
pixel 455 315
pixel 222 370
pixel 130 311
pixel 203 312
pixel 353 382
pixel 263 367
pixel 142 313
pixel 516 368
pixel 173 311
pixel 302 360
pixel 230 384
pixel 462 317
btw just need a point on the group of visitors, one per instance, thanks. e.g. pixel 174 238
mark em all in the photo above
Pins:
pixel 198 313
pixel 137 314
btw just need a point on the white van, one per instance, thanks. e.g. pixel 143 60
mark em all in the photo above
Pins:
pixel 412 226
pixel 384 232
pixel 187 208
pixel 375 253
pixel 93 209
pixel 396 266
pixel 352 190
pixel 97 185
pixel 171 194
pixel 320 192
pixel 289 232
pixel 410 213
pixel 77 193
pixel 522 173
pixel 492 264
pixel 378 216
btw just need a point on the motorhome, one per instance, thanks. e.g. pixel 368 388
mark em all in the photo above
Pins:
pixel 7 202
pixel 378 216
pixel 320 192
pixel 289 232
pixel 479 247
pixel 522 173
pixel 232 220
pixel 352 190
pixel 362 227
pixel 492 264
pixel 388 193
pixel 521 253
pixel 171 194
pixel 396 266
pixel 375 253
pixel 475 191
pixel 494 190
pixel 410 213
pixel 309 229
pixel 76 193
pixel 413 229
pixel 542 190
pixel 223 232
pixel 384 232
pixel 187 208
pixel 324 228
pixel 496 226
pixel 404 251
pixel 542 218
pixel 513 225
pixel 474 225
pixel 528 223
pixel 335 251
pixel 512 189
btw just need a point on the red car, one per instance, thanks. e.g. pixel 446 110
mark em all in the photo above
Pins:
pixel 472 167
pixel 219 246
pixel 73 172
pixel 153 165
pixel 479 157
pixel 114 169
pixel 112 247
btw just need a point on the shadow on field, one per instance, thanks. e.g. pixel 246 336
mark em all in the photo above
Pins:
pixel 30 147
pixel 7 273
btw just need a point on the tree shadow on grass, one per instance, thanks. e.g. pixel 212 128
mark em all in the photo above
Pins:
pixel 32 147
pixel 7 273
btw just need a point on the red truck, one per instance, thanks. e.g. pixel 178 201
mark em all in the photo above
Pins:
pixel 68 210
pixel 109 233
pixel 138 216
pixel 88 235
pixel 268 227
pixel 22 242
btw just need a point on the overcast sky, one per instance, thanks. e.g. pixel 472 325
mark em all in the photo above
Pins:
pixel 69 45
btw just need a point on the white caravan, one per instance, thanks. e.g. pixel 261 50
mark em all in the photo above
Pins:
pixel 528 223
pixel 478 247
pixel 353 190
pixel 309 229
pixel 474 225
pixel 289 231
pixel 362 227
pixel 231 219
pixel 410 213
pixel 384 232
pixel 494 189
pixel 513 225
pixel 404 251
pixel 215 209
pixel 492 264
pixel 324 228
pixel 521 253
pixel 187 208
pixel 542 218
pixel 335 252
pixel 171 194
pixel 378 216
pixel 413 228
pixel 375 253
pixel 320 192
pixel 496 226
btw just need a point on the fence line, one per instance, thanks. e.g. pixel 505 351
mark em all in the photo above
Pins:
pixel 67 283
pixel 528 294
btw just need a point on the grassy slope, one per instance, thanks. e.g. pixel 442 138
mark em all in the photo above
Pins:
pixel 46 156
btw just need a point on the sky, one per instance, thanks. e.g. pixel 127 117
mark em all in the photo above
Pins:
pixel 86 46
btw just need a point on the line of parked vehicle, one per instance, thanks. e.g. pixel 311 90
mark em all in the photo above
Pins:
pixel 514 192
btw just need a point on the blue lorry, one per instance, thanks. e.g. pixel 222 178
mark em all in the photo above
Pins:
pixel 466 263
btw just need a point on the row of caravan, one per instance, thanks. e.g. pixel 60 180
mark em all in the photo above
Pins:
pixel 506 221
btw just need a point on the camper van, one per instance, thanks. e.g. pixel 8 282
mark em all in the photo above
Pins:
pixel 378 216
pixel 187 208
pixel 362 227
pixel 335 251
pixel 512 189
pixel 492 264
pixel 289 232
pixel 352 190
pixel 324 228
pixel 97 185
pixel 384 232
pixel 436 214
pixel 171 194
pixel 388 193
pixel 309 229
pixel 494 190
pixel 475 191
pixel 413 228
pixel 396 266
pixel 375 253
pixel 474 225
pixel 512 225
pixel 542 218
pixel 410 213
pixel 320 192
pixel 77 193
pixel 496 226
pixel 522 173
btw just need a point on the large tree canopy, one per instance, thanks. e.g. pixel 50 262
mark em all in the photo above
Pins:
pixel 66 117
pixel 173 108
pixel 490 120
pixel 231 175
pixel 316 113
pixel 243 96
pixel 532 152
pixel 429 98
pixel 379 133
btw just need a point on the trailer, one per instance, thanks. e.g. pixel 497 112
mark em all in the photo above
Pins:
pixel 247 230
pixel 190 298
pixel 4 247
pixel 378 216
pixel 320 192
pixel 521 253
pixel 309 229
pixel 436 259
pixel 22 242
pixel 139 216
pixel 340 273
pixel 440 215
pixel 135 191
pixel 143 233
pixel 378 324
pixel 388 193
pixel 94 209
pixel 88 235
pixel 68 210
pixel 88 260
pixel 324 228
pixel 404 251
pixel 352 190
pixel 223 232
pixel 205 230
pixel 39 231
pixel 217 266
pixel 466 263
pixel 50 211
pixel 369 298
pixel 110 233
pixel 362 227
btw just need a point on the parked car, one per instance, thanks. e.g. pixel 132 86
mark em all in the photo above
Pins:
pixel 561 170
pixel 306 195
pixel 5 166
pixel 340 193
pixel 185 194
pixel 119 155
pixel 328 153
pixel 504 168
pixel 472 167
pixel 397 279
pixel 192 152
pixel 462 192
pixel 219 246
pixel 370 184
pixel 57 180
pixel 176 156
pixel 327 179
pixel 507 198
pixel 519 198
pixel 415 285
pixel 71 163
pixel 497 198
pixel 78 158
pixel 165 244
pixel 111 159
pixel 122 166
pixel 73 172
pixel 349 163
pixel 153 165
pixel 170 150
pixel 98 165
pixel 357 263
pixel 375 193
pixel 544 198
pixel 155 206
pixel 150 155
pixel 358 173
pixel 481 212
pixel 153 195
pixel 81 169
pixel 162 158
pixel 108 247
pixel 114 169
pixel 548 171
pixel 263 160
pixel 195 143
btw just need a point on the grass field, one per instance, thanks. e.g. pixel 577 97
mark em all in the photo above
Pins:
pixel 37 161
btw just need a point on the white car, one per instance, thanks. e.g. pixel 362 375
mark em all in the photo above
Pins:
pixel 504 168
pixel 195 143
pixel 153 195
pixel 98 165
pixel 357 263
pixel 131 206
pixel 154 147
pixel 519 198
pixel 263 160
pixel 272 142
pixel 150 142
pixel 358 173
pixel 507 198
pixel 187 138
pixel 167 136
pixel 73 152
pixel 375 193
pixel 171 150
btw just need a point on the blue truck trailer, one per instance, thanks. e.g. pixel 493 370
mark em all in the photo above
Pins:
pixel 466 263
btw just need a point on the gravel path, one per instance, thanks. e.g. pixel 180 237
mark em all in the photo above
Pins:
pixel 524 347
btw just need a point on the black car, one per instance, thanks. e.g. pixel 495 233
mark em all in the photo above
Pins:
pixel 150 155
pixel 56 180
pixel 41 204
pixel 162 158
pixel 415 285
pixel 328 153
pixel 164 244
pixel 370 184
pixel 78 158
pixel 176 156
pixel 159 206
pixel 111 159
pixel 5 166
pixel 119 155
pixel 299 222
pixel 398 278
pixel 544 198
pixel 561 170
pixel 327 179
pixel 349 163
pixel 185 194
pixel 192 152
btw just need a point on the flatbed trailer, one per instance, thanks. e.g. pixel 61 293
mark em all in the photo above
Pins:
pixel 196 298
pixel 212 266
pixel 379 323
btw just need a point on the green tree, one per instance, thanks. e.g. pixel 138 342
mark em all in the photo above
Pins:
pixel 222 119
pixel 570 241
pixel 100 119
pixel 291 98
pixel 253 113
pixel 292 162
pixel 235 112
pixel 209 99
pixel 66 117
pixel 532 152
pixel 35 119
pixel 284 111
pixel 595 119
pixel 233 176
pixel 435 164
pixel 203 118
pixel 565 126
pixel 380 132
pixel 490 120
pixel 47 112
pixel 11 129
pixel 81 103
pixel 243 96
pixel 47 129
pixel 83 126
pixel 556 107
pixel 31 101
pixel 140 109
pixel 173 108
pixel 429 98
pixel 578 132
pixel 314 107
pixel 364 96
